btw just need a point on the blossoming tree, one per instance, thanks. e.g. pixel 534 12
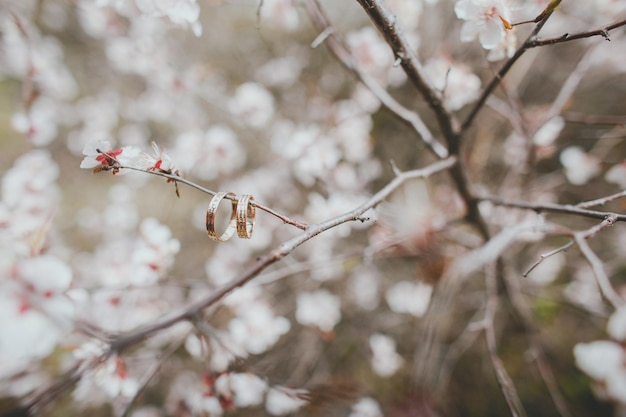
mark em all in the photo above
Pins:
pixel 315 207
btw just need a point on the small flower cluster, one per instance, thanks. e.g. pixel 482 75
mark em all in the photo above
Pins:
pixel 36 312
pixel 100 156
pixel 214 394
pixel 489 21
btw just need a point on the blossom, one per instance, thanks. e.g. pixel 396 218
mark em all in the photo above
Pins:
pixel 319 308
pixel 282 400
pixel 253 104
pixel 363 287
pixel 604 362
pixel 39 123
pixel 280 13
pixel 159 161
pixel 100 154
pixel 36 313
pixel 385 359
pixel 369 49
pixel 257 328
pixel 29 186
pixel 366 407
pixel 243 389
pixel 107 380
pixel 616 327
pixel 409 297
pixel 617 174
pixel 209 154
pixel 549 131
pixel 180 12
pixel 485 19
pixel 317 160
pixel 459 85
pixel 579 166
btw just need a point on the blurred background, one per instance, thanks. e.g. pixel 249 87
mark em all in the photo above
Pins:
pixel 242 102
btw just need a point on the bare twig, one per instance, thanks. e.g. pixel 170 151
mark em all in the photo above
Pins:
pixel 604 32
pixel 569 86
pixel 504 380
pixel 594 119
pixel 555 208
pixel 546 255
pixel 596 264
pixel 601 201
pixel 341 52
pixel 545 371
pixel 524 315
pixel 177 178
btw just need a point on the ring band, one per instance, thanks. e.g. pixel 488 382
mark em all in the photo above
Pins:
pixel 246 214
pixel 210 217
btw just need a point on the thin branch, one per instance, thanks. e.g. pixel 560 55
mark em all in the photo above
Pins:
pixel 545 371
pixel 596 264
pixel 594 119
pixel 177 178
pixel 545 256
pixel 604 32
pixel 524 315
pixel 40 400
pixel 555 208
pixel 571 84
pixel 342 53
pixel 602 201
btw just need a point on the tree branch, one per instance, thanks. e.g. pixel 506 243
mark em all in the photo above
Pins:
pixel 385 21
pixel 555 208
pixel 566 37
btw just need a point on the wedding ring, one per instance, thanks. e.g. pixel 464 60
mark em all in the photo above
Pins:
pixel 246 214
pixel 210 217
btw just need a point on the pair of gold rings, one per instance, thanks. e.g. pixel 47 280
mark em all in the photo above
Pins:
pixel 242 216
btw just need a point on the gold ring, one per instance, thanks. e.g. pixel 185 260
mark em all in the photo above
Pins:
pixel 246 214
pixel 210 217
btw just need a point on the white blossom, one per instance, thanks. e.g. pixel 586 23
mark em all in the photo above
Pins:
pixel 319 309
pixel 366 407
pixel 409 297
pixel 483 19
pixel 385 359
pixel 580 167
pixel 282 400
pixel 459 85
